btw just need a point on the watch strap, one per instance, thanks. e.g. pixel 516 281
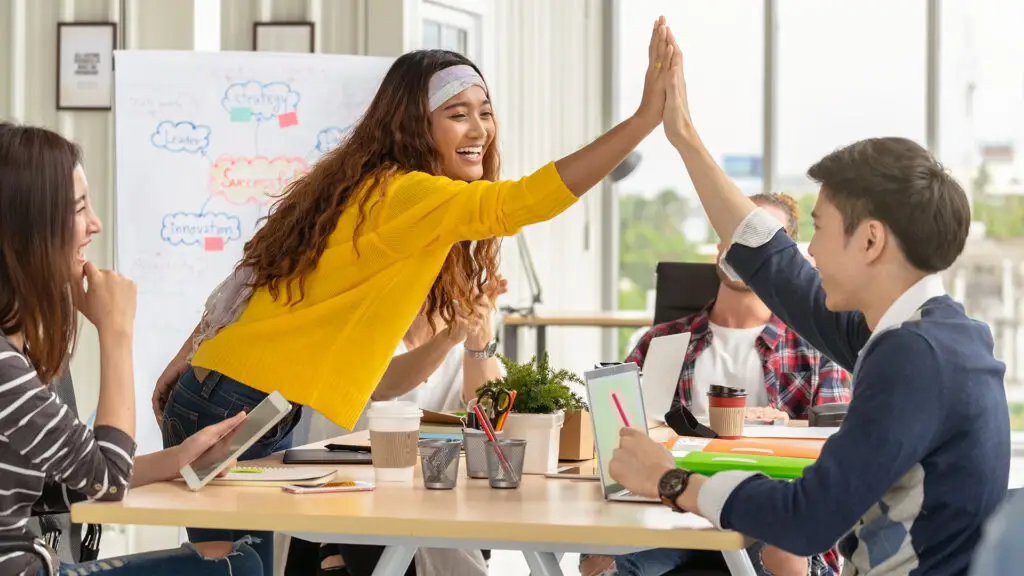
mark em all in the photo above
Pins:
pixel 489 351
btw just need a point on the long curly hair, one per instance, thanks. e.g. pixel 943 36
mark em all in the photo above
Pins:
pixel 392 137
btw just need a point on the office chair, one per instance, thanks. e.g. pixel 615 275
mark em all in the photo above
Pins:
pixel 682 288
pixel 56 529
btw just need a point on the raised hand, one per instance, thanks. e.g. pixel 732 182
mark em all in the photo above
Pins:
pixel 659 54
pixel 677 122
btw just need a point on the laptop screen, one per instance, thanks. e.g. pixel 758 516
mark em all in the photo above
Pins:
pixel 614 397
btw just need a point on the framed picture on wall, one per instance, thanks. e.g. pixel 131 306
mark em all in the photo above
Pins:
pixel 284 37
pixel 85 65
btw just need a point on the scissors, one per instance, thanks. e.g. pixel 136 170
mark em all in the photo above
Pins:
pixel 496 401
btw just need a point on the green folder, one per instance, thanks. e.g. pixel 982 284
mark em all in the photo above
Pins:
pixel 709 463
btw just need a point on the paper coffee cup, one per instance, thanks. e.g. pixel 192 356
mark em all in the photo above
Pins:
pixel 727 409
pixel 394 438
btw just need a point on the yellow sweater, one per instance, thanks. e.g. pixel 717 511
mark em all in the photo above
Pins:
pixel 330 351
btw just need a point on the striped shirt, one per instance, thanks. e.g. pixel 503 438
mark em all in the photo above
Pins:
pixel 48 459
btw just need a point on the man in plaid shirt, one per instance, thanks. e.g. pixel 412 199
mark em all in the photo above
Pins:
pixel 735 340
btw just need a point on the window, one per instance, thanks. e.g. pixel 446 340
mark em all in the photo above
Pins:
pixel 444 36
pixel 834 87
pixel 981 140
pixel 660 217
pixel 449 25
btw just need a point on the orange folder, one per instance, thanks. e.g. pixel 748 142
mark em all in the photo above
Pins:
pixel 761 447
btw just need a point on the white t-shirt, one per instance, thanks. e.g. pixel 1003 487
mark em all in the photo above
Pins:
pixel 442 392
pixel 730 360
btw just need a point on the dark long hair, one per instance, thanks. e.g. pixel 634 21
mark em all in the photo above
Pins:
pixel 37 222
pixel 392 137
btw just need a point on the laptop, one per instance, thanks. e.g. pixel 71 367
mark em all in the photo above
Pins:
pixel 615 400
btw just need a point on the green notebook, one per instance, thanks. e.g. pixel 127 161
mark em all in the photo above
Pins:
pixel 709 463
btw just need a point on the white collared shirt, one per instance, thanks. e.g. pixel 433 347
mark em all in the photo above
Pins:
pixel 907 305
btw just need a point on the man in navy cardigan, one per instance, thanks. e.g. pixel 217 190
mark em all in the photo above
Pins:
pixel 922 458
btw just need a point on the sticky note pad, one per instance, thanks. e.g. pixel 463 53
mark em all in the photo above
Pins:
pixel 213 244
pixel 287 119
pixel 241 114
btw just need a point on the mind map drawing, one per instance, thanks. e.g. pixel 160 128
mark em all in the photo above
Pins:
pixel 238 179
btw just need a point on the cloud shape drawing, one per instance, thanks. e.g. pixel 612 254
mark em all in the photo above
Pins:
pixel 253 180
pixel 181 137
pixel 267 101
pixel 330 138
pixel 189 228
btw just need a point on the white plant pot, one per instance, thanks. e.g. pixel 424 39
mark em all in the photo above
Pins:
pixel 542 433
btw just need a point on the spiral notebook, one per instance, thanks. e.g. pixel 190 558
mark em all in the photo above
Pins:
pixel 275 476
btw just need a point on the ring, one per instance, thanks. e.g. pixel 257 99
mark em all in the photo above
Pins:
pixel 657 65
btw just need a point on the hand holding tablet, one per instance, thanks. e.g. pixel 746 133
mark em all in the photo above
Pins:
pixel 235 435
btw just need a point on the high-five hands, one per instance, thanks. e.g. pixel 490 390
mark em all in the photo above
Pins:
pixel 677 122
pixel 659 56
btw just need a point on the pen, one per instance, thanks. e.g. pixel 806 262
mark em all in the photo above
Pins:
pixel 622 413
pixel 485 423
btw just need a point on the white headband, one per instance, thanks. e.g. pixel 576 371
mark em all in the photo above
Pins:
pixel 445 84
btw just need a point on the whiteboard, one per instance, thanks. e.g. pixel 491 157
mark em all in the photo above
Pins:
pixel 202 142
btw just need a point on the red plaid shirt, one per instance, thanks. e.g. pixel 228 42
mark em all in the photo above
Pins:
pixel 796 375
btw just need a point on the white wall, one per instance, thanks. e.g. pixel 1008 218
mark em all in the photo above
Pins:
pixel 548 81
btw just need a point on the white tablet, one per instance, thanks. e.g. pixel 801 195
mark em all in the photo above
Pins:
pixel 257 423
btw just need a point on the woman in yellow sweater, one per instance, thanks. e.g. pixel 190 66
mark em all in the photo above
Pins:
pixel 328 286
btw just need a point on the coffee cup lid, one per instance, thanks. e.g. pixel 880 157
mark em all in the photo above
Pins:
pixel 725 391
pixel 394 409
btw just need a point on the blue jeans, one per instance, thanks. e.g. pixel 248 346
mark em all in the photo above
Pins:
pixel 658 561
pixel 194 405
pixel 244 561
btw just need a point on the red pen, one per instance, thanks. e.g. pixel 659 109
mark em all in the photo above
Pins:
pixel 485 423
pixel 622 413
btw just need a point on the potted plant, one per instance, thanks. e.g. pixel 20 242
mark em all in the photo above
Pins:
pixel 543 399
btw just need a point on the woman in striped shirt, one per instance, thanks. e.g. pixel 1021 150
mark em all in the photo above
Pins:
pixel 48 458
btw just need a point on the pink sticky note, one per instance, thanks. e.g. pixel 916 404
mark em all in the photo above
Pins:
pixel 287 119
pixel 213 243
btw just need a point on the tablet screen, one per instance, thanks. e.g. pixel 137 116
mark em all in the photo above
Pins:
pixel 269 412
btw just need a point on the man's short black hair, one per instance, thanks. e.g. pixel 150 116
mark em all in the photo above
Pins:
pixel 899 183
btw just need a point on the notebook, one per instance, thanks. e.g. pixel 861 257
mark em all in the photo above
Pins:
pixel 276 476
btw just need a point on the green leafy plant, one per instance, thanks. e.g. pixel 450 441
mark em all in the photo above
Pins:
pixel 539 388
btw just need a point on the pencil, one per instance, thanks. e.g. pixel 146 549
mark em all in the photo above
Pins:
pixel 622 413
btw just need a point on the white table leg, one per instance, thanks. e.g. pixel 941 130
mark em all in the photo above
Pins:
pixel 739 563
pixel 395 560
pixel 543 563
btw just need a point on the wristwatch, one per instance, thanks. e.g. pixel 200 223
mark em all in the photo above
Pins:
pixel 488 352
pixel 672 484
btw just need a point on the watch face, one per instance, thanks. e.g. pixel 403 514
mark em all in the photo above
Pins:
pixel 673 482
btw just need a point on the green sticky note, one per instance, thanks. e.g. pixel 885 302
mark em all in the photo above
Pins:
pixel 241 114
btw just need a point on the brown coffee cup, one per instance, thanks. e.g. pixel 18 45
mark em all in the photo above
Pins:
pixel 727 409
pixel 394 437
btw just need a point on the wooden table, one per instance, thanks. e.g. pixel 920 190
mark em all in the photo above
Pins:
pixel 540 323
pixel 543 518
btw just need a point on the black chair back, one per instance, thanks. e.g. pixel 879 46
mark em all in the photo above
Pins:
pixel 682 288
pixel 57 530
